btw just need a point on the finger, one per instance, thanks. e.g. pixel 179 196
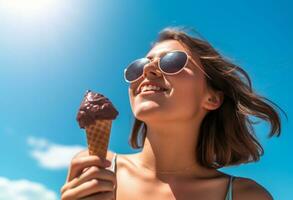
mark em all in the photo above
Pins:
pixel 68 185
pixel 92 173
pixel 78 164
pixel 100 196
pixel 89 188
pixel 82 153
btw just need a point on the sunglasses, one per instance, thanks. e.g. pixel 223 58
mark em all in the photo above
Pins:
pixel 171 63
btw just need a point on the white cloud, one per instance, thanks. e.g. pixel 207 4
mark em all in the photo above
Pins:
pixel 37 142
pixel 50 155
pixel 24 190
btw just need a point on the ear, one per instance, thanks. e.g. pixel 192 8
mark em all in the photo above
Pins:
pixel 213 100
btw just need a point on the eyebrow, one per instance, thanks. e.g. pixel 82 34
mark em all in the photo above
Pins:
pixel 160 54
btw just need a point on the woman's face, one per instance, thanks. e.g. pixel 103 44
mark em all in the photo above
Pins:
pixel 184 95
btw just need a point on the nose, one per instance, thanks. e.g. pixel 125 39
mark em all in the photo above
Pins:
pixel 151 70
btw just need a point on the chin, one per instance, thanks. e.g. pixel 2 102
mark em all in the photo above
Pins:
pixel 146 114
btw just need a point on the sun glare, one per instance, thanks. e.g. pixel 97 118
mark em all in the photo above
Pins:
pixel 27 8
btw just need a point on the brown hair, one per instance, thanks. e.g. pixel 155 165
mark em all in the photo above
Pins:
pixel 226 134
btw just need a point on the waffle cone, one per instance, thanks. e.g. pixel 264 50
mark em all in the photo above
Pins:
pixel 98 135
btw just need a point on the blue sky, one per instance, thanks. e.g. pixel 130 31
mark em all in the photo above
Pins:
pixel 52 51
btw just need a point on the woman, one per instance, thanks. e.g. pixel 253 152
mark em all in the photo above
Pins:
pixel 191 109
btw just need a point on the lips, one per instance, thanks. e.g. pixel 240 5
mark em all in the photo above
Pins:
pixel 152 92
pixel 151 83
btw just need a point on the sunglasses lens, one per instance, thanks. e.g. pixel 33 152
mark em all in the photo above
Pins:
pixel 135 69
pixel 173 62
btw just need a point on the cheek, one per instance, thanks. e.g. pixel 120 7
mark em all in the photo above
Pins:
pixel 188 94
pixel 187 98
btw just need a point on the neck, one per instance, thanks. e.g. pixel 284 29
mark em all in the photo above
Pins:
pixel 170 147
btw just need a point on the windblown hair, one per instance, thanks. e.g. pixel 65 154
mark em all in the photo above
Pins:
pixel 226 134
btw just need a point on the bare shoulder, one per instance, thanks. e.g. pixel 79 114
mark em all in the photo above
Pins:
pixel 245 188
pixel 85 152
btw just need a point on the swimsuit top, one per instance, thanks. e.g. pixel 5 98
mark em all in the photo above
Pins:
pixel 228 194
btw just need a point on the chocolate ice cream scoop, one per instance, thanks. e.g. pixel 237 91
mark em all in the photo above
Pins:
pixel 94 107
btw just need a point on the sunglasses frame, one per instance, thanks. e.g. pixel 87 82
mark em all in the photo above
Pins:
pixel 188 57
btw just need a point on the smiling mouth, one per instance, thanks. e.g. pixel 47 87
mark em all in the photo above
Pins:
pixel 154 92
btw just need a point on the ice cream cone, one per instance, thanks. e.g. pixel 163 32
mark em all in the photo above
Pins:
pixel 95 115
pixel 98 135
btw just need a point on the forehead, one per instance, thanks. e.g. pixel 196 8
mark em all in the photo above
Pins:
pixel 165 46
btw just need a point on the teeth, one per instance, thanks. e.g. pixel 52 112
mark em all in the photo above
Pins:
pixel 150 87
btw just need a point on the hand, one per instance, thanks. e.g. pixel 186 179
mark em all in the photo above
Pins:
pixel 88 179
